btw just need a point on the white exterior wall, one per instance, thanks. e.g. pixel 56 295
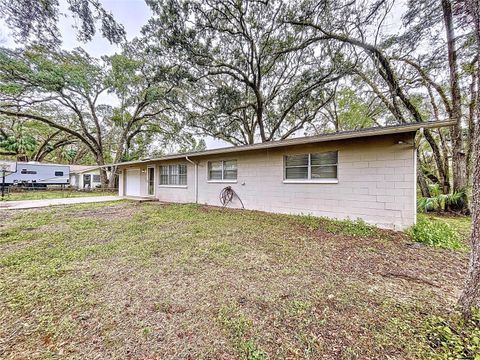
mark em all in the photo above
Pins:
pixel 376 182
pixel 76 180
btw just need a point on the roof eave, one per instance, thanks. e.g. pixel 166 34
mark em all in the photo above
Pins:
pixel 379 131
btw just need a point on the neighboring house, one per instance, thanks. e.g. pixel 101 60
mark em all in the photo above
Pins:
pixel 85 177
pixel 368 174
pixel 38 174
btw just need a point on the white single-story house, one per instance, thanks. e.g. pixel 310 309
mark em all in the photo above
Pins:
pixel 368 174
pixel 85 177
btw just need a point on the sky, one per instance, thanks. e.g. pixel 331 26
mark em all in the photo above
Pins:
pixel 132 14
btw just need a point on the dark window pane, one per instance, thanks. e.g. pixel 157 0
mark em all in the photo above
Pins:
pixel 215 165
pixel 230 174
pixel 183 179
pixel 230 170
pixel 173 175
pixel 58 173
pixel 182 169
pixel 215 170
pixel 215 175
pixel 296 160
pixel 173 169
pixel 163 175
pixel 326 158
pixel 296 173
pixel 163 179
pixel 324 172
pixel 96 178
pixel 230 165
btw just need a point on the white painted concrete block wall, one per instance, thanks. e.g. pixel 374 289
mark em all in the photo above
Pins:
pixel 376 182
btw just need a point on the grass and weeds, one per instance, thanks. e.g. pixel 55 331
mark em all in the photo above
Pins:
pixel 53 194
pixel 344 227
pixel 238 328
pixel 452 337
pixel 138 281
pixel 442 232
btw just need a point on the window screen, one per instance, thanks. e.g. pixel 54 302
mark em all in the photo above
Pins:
pixel 296 167
pixel 215 170
pixel 324 165
pixel 182 174
pixel 163 175
pixel 222 170
pixel 311 166
pixel 173 174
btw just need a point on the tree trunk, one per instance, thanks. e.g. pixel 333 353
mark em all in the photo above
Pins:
pixel 470 296
pixel 104 178
pixel 437 156
pixel 259 113
pixel 112 181
pixel 459 159
pixel 103 173
pixel 474 93
pixel 446 165
pixel 422 183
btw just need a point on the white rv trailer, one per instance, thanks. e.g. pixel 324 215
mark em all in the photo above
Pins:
pixel 39 175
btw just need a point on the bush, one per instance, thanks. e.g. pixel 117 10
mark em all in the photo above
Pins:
pixel 439 201
pixel 453 338
pixel 436 233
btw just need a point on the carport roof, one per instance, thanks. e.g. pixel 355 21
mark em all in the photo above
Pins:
pixel 343 135
pixel 78 169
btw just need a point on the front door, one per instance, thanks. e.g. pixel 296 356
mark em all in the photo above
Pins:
pixel 151 181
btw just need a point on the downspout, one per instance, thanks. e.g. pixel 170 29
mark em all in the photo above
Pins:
pixel 196 177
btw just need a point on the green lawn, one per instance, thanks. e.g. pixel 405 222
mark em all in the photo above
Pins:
pixel 461 224
pixel 144 281
pixel 53 194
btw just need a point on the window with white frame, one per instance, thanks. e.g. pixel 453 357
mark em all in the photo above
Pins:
pixel 173 174
pixel 318 166
pixel 222 170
